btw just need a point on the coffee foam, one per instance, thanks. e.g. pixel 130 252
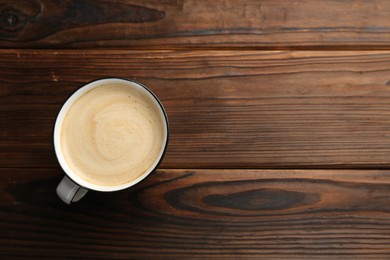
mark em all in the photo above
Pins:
pixel 112 134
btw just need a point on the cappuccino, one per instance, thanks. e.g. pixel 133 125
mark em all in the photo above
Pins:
pixel 112 134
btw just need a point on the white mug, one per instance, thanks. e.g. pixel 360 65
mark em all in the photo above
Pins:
pixel 72 187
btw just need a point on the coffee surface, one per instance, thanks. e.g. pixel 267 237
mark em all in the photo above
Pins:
pixel 112 134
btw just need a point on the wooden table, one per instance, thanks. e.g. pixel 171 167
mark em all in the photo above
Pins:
pixel 280 128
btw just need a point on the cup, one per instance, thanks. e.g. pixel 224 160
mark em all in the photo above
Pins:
pixel 108 136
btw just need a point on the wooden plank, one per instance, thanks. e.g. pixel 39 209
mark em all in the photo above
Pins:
pixel 154 24
pixel 185 214
pixel 227 109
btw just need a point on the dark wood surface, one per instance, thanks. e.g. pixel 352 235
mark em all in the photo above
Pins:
pixel 202 214
pixel 151 24
pixel 280 126
pixel 227 109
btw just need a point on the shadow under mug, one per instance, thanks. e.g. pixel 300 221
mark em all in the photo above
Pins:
pixel 72 187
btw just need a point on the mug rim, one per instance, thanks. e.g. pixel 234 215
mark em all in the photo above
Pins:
pixel 58 125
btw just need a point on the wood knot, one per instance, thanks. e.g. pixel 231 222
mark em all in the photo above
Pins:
pixel 12 20
pixel 262 199
pixel 240 198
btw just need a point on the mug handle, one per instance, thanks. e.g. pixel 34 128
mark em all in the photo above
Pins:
pixel 69 191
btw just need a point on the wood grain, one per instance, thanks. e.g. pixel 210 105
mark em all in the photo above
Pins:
pixel 227 109
pixel 280 126
pixel 191 214
pixel 150 24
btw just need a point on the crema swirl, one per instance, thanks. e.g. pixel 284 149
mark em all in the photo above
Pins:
pixel 112 134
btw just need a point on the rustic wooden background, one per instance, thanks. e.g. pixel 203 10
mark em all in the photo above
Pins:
pixel 280 128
